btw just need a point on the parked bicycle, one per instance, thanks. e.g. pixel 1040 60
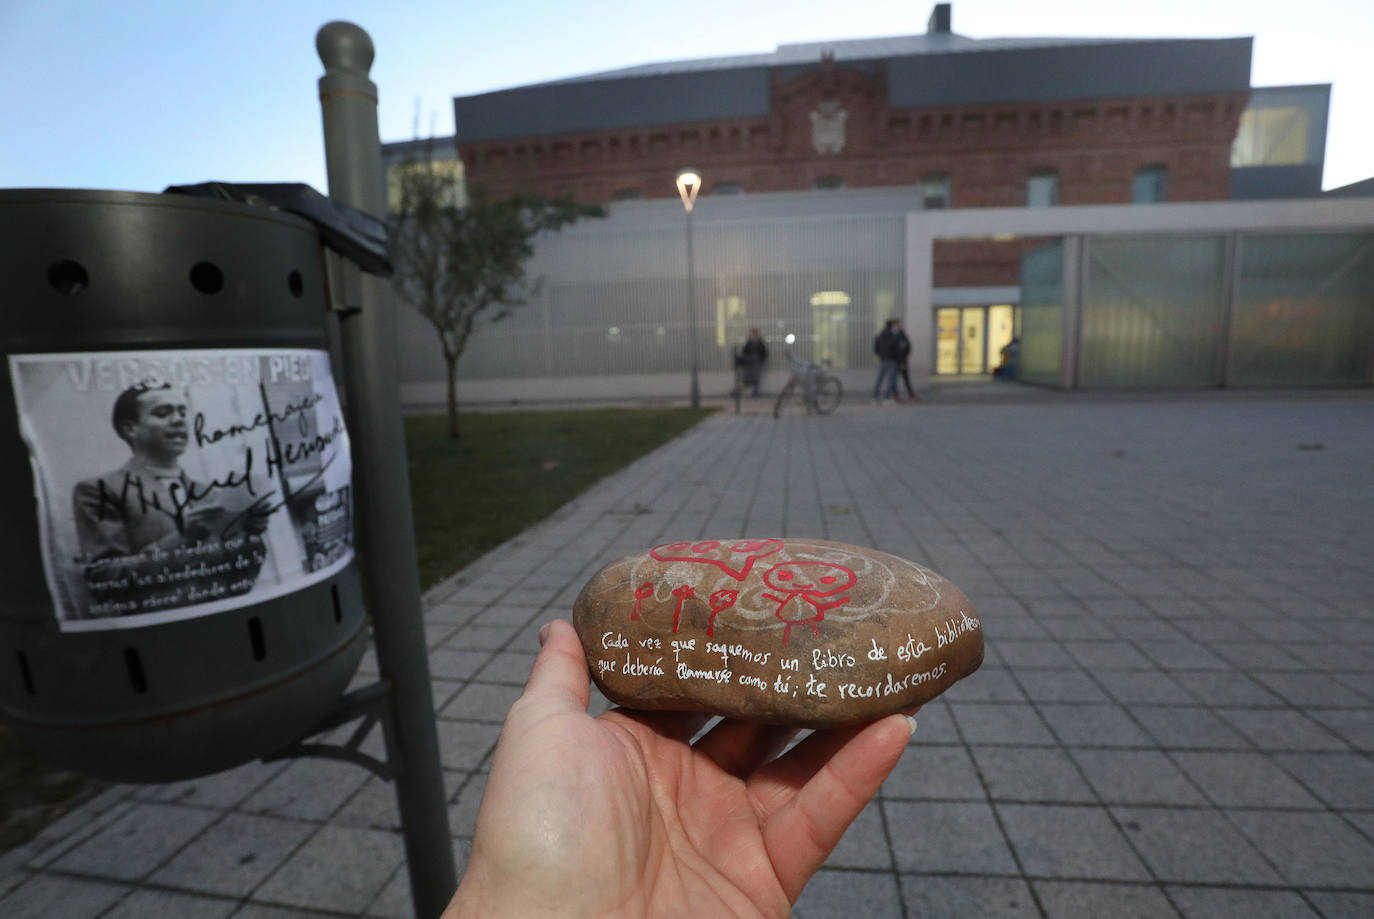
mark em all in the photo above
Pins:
pixel 820 391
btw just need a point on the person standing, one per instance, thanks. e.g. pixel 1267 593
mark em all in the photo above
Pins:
pixel 754 354
pixel 892 347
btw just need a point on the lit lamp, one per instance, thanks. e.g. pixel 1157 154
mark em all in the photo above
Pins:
pixel 688 184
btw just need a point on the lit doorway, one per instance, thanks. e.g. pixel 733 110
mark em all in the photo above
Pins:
pixel 969 339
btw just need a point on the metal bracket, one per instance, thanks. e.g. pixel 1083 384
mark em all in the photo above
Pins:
pixel 343 282
pixel 371 704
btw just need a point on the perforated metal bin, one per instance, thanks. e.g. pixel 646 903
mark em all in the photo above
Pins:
pixel 87 272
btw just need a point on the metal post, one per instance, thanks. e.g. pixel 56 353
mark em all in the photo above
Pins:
pixel 692 312
pixel 387 558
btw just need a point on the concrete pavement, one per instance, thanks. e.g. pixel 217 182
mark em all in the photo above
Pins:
pixel 1175 717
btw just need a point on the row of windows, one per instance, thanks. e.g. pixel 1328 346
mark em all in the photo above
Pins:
pixel 1150 185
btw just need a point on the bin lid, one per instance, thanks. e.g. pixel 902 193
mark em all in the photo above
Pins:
pixel 354 234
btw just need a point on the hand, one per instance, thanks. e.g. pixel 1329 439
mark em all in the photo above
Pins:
pixel 619 815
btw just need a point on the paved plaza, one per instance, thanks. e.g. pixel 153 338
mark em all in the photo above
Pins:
pixel 1175 716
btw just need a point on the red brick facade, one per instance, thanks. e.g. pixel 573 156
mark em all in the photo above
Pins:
pixel 987 152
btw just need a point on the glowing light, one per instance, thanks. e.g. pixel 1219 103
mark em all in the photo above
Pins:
pixel 688 184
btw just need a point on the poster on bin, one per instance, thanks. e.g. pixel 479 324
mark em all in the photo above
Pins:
pixel 177 484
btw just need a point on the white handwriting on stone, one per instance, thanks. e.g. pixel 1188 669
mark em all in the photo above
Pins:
pixel 911 649
pixel 639 668
pixel 821 658
pixel 618 642
pixel 876 653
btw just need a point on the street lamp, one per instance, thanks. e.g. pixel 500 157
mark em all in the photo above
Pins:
pixel 688 184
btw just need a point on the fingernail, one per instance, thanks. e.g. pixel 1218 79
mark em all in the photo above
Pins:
pixel 544 636
pixel 910 724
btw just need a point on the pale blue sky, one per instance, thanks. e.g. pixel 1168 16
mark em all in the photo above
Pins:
pixel 141 95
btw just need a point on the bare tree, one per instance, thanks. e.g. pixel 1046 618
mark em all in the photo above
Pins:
pixel 462 263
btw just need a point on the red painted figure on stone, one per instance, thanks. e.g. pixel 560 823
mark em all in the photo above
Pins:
pixel 720 600
pixel 806 589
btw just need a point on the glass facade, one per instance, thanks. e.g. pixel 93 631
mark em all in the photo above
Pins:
pixel 1042 314
pixel 613 300
pixel 1303 311
pixel 1151 311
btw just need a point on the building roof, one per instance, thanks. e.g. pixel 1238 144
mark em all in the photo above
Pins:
pixel 852 49
pixel 935 68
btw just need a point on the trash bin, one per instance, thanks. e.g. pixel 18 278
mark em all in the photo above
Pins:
pixel 177 590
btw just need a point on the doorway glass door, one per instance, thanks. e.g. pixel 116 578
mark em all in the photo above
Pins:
pixel 969 339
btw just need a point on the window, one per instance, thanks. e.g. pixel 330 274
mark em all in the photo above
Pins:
pixel 829 182
pixel 1272 137
pixel 406 180
pixel 1151 185
pixel 627 194
pixel 727 188
pixel 1042 188
pixel 934 189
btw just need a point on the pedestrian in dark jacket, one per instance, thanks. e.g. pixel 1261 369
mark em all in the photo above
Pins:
pixel 892 347
pixel 755 354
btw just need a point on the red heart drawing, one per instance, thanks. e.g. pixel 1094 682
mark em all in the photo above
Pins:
pixel 720 554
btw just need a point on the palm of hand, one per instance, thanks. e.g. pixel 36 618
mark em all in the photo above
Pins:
pixel 619 815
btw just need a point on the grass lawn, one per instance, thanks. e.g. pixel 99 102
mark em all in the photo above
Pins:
pixel 508 471
pixel 511 470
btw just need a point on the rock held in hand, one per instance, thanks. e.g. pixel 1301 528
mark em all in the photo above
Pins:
pixel 798 632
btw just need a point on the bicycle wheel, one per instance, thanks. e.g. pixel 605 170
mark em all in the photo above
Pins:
pixel 782 395
pixel 827 395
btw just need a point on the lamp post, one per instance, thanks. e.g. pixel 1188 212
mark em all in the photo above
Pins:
pixel 688 184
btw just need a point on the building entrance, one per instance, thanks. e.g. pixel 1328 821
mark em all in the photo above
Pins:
pixel 969 339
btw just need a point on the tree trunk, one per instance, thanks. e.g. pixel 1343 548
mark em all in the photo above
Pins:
pixel 452 396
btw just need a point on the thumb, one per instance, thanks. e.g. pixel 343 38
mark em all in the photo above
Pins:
pixel 559 678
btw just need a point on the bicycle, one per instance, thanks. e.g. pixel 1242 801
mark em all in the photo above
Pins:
pixel 820 391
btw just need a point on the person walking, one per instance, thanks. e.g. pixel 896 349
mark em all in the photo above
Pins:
pixel 754 354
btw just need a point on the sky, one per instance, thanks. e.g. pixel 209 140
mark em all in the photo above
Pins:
pixel 137 96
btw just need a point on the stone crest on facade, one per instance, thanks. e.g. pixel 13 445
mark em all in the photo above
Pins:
pixel 827 127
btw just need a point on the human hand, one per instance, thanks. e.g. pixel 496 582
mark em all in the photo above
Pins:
pixel 619 816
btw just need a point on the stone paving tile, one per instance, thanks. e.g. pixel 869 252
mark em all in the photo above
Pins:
pixel 221 790
pixel 932 772
pixel 1060 685
pixel 465 745
pixel 1343 905
pixel 864 844
pixel 1092 725
pixel 462 811
pixel 339 868
pixel 235 855
pixel 1281 729
pixel 1237 779
pixel 1311 849
pixel 50 896
pixel 983 722
pixel 1070 841
pixel 844 894
pixel 1190 845
pixel 1031 774
pixel 308 789
pixel 949 837
pixel 1136 777
pixel 373 806
pixel 166 904
pixel 482 702
pixel 141 840
pixel 1088 900
pixel 1187 727
pixel 1210 902
pixel 962 897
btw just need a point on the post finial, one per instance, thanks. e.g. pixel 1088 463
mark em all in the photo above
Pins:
pixel 345 46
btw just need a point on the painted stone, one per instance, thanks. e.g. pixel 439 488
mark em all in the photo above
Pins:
pixel 799 632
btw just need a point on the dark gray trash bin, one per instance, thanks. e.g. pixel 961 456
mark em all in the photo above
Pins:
pixel 172 602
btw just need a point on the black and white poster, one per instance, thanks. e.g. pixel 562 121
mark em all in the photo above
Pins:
pixel 175 484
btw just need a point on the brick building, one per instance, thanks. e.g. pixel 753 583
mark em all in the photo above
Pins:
pixel 946 120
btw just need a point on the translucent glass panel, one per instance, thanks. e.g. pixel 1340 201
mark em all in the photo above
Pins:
pixel 1151 312
pixel 1303 310
pixel 613 300
pixel 1042 314
pixel 1278 136
pixel 971 333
